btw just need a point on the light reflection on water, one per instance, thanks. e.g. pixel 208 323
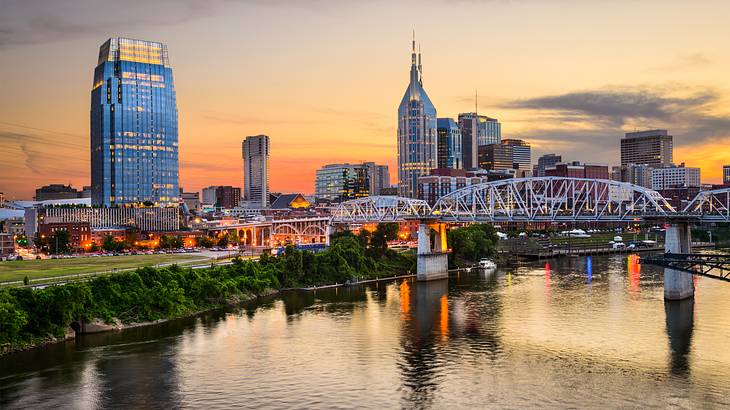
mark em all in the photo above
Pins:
pixel 575 332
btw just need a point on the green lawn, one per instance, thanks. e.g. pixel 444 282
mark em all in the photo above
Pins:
pixel 17 270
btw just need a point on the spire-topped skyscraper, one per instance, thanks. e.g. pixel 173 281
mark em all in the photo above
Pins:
pixel 417 136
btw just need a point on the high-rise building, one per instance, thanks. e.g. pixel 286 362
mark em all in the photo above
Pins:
pixel 675 177
pixel 547 160
pixel 134 145
pixel 725 175
pixel 476 131
pixel 521 154
pixel 341 182
pixel 637 174
pixel 449 143
pixel 379 176
pixel 256 170
pixel 417 139
pixel 496 156
pixel 653 147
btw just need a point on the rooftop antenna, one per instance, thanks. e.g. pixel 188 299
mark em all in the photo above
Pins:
pixel 413 44
pixel 476 101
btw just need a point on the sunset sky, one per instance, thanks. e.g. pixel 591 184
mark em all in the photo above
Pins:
pixel 324 78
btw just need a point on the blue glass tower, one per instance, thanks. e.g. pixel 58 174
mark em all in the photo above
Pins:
pixel 134 148
pixel 417 139
pixel 449 143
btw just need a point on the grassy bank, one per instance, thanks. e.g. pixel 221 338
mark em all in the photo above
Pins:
pixel 48 268
pixel 31 317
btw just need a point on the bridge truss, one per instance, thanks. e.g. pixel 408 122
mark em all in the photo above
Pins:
pixel 711 206
pixel 551 199
pixel 539 199
pixel 380 209
pixel 713 266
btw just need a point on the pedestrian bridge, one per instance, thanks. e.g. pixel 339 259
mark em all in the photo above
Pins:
pixel 540 199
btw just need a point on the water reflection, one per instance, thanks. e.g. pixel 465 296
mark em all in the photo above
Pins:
pixel 482 338
pixel 418 361
pixel 680 324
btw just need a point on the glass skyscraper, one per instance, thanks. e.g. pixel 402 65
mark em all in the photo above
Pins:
pixel 449 143
pixel 417 139
pixel 134 146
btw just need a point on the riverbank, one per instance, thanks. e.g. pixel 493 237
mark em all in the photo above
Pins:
pixel 98 325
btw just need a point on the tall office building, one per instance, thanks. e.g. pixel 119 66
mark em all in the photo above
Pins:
pixel 379 176
pixel 449 143
pixel 494 157
pixel 134 147
pixel 547 160
pixel 725 175
pixel 341 182
pixel 653 147
pixel 256 170
pixel 477 131
pixel 417 139
pixel 521 154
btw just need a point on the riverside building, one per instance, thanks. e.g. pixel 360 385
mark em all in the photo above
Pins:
pixel 134 135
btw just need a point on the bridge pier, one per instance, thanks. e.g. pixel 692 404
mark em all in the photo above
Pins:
pixel 432 264
pixel 678 285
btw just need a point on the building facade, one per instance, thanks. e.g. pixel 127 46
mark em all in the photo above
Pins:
pixel 191 200
pixel 545 161
pixel 79 233
pixel 208 195
pixel 379 176
pixel 143 219
pixel 675 177
pixel 134 144
pixel 56 191
pixel 637 174
pixel 725 175
pixel 653 147
pixel 477 130
pixel 521 154
pixel 449 143
pixel 443 181
pixel 417 137
pixel 577 170
pixel 256 170
pixel 496 156
pixel 341 182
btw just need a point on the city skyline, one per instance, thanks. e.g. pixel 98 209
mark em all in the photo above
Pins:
pixel 577 101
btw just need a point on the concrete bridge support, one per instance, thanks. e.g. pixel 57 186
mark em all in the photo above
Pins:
pixel 432 264
pixel 678 285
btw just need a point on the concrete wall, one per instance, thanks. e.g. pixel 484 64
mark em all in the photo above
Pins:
pixel 678 285
pixel 432 266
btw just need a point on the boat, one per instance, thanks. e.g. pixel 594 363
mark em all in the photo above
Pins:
pixel 487 264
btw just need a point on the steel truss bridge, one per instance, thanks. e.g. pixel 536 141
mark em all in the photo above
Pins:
pixel 539 199
pixel 713 266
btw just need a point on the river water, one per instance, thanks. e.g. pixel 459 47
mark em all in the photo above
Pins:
pixel 575 332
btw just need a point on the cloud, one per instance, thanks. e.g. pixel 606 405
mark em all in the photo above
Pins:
pixel 588 124
pixel 618 107
pixel 42 21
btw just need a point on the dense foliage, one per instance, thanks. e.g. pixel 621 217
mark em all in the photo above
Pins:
pixel 471 243
pixel 29 316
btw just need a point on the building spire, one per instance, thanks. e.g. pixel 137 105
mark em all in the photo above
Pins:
pixel 420 68
pixel 413 43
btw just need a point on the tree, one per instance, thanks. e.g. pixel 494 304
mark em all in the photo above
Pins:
pixel 204 241
pixel 471 243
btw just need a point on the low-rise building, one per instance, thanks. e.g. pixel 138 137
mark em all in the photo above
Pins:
pixel 577 170
pixel 143 219
pixel 443 181
pixel 7 245
pixel 56 191
pixel 79 233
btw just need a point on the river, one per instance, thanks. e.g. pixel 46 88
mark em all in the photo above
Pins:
pixel 573 332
